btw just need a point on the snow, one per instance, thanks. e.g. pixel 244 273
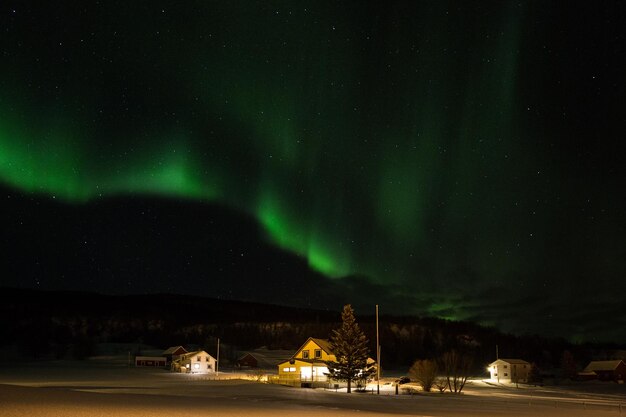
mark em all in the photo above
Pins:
pixel 109 388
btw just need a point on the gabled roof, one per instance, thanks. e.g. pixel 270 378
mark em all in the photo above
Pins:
pixel 170 350
pixel 322 343
pixel 194 353
pixel 602 365
pixel 510 361
pixel 267 357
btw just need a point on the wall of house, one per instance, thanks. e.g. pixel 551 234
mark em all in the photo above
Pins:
pixel 201 363
pixel 620 372
pixel 507 372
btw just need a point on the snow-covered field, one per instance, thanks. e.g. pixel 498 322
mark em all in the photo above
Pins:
pixel 110 388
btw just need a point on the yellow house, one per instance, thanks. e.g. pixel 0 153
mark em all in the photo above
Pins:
pixel 307 367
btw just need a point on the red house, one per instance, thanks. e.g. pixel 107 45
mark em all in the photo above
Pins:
pixel 605 371
pixel 173 353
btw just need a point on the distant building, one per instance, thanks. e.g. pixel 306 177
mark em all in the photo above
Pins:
pixel 604 371
pixel 198 362
pixel 173 352
pixel 509 370
pixel 308 366
pixel 150 361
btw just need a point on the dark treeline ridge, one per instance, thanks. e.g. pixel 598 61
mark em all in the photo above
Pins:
pixel 60 324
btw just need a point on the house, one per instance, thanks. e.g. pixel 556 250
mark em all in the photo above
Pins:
pixel 604 371
pixel 198 362
pixel 172 353
pixel 262 358
pixel 509 370
pixel 308 366
pixel 150 361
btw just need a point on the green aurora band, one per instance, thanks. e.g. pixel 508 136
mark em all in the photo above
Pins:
pixel 342 134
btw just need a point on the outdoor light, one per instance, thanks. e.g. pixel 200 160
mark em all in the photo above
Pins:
pixel 196 366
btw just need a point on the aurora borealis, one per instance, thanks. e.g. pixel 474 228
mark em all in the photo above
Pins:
pixel 466 156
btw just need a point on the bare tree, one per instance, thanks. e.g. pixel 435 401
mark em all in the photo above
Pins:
pixel 441 384
pixel 456 367
pixel 424 372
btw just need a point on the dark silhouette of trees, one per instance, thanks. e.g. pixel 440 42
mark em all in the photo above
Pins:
pixel 568 365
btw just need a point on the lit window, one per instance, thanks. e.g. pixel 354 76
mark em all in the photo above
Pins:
pixel 305 354
pixel 290 369
pixel 318 353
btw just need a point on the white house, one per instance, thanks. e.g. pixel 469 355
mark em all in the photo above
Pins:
pixel 198 362
pixel 509 370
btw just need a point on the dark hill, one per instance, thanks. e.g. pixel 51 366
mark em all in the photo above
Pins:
pixel 127 245
pixel 44 324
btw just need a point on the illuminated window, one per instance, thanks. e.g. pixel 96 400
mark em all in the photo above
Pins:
pixel 305 354
pixel 290 369
pixel 318 353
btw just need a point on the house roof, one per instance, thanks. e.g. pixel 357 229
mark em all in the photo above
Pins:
pixel 510 361
pixel 194 353
pixel 266 357
pixel 602 366
pixel 322 343
pixel 170 350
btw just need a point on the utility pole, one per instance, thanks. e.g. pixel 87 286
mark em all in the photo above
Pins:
pixel 217 361
pixel 377 355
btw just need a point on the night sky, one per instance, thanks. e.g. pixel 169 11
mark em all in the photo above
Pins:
pixel 461 159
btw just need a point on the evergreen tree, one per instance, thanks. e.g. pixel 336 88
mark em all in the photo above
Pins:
pixel 349 345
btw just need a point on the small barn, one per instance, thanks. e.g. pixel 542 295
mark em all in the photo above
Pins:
pixel 509 370
pixel 152 361
pixel 604 371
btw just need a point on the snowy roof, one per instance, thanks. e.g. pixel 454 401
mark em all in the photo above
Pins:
pixel 194 353
pixel 173 349
pixel 511 361
pixel 324 344
pixel 267 357
pixel 602 365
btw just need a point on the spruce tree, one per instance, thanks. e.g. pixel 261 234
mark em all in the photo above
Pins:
pixel 349 345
